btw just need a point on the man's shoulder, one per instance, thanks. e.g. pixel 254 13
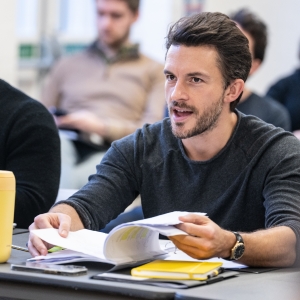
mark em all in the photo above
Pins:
pixel 270 104
pixel 264 144
pixel 266 108
pixel 287 80
pixel 71 59
pixel 254 133
pixel 151 63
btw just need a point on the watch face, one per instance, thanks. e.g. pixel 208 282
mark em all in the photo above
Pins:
pixel 239 251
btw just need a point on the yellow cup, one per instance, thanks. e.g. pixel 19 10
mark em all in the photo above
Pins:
pixel 7 209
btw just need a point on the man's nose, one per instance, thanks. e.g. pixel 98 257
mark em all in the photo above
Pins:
pixel 105 22
pixel 179 92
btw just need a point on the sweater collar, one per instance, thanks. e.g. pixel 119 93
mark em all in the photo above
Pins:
pixel 125 53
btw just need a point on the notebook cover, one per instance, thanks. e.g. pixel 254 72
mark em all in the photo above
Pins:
pixel 178 270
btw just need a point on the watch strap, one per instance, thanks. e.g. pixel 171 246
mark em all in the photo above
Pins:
pixel 239 245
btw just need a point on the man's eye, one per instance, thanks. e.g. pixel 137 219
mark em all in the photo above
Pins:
pixel 196 79
pixel 170 77
pixel 116 16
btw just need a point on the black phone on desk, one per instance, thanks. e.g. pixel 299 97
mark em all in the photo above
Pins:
pixel 69 270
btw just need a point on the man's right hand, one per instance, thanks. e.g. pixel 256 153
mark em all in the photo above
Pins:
pixel 49 220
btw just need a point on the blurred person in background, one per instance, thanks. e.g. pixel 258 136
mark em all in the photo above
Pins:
pixel 103 93
pixel 263 107
pixel 287 92
pixel 30 148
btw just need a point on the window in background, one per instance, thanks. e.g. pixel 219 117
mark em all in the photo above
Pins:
pixel 77 24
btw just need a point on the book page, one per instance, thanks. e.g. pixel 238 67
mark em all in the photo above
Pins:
pixel 131 244
pixel 84 240
pixel 138 240
pixel 171 218
pixel 63 257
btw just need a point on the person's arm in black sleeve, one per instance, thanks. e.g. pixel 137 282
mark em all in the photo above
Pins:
pixel 33 155
pixel 115 185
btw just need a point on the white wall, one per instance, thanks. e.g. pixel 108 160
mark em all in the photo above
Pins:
pixel 283 21
pixel 8 46
pixel 151 28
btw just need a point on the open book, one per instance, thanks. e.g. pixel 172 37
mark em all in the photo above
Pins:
pixel 126 245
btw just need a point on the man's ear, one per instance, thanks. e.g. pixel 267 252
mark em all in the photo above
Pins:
pixel 233 91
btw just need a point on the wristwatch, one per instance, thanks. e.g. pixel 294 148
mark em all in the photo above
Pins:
pixel 238 249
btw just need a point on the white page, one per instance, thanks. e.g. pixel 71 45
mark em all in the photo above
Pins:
pixel 131 244
pixel 162 223
pixel 171 218
pixel 64 256
pixel 84 240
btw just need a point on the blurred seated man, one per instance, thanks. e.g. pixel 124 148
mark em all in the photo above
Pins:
pixel 263 107
pixel 287 92
pixel 30 148
pixel 105 92
pixel 207 157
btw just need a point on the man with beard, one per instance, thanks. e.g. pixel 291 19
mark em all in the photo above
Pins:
pixel 103 93
pixel 207 157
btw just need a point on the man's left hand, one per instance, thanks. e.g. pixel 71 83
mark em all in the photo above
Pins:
pixel 205 238
pixel 82 120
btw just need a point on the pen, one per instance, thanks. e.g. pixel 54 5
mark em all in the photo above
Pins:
pixel 19 248
pixel 54 249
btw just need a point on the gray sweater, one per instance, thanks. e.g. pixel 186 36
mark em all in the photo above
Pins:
pixel 252 183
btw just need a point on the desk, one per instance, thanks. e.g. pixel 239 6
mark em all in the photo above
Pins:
pixel 278 284
pixel 26 285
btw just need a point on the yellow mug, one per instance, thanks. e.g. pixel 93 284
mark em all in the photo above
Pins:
pixel 7 209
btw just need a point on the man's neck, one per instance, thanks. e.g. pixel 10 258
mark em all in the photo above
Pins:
pixel 112 51
pixel 205 146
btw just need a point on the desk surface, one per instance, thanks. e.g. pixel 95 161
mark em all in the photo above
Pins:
pixel 277 284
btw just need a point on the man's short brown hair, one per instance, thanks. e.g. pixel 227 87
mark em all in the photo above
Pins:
pixel 219 31
pixel 133 5
pixel 256 28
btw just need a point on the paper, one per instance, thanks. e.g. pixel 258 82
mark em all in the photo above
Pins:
pixel 129 242
pixel 85 241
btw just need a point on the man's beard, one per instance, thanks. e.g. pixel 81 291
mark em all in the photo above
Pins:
pixel 116 43
pixel 206 122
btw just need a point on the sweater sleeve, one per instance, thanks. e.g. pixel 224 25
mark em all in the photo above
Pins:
pixel 282 187
pixel 33 155
pixel 115 185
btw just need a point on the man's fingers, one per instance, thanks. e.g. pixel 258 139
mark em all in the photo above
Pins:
pixel 187 245
pixel 44 221
pixel 65 225
pixel 197 230
pixel 36 246
pixel 195 219
pixel 50 220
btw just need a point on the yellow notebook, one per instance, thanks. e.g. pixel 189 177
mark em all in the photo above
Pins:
pixel 169 269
